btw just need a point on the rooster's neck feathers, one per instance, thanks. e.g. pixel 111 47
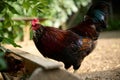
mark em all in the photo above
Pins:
pixel 86 29
pixel 38 33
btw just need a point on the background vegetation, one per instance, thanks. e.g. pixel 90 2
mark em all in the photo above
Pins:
pixel 57 13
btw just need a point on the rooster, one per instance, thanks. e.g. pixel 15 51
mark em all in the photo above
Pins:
pixel 71 46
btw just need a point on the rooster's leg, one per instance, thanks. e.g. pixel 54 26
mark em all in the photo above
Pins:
pixel 67 66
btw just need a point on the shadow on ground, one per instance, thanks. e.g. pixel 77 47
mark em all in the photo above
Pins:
pixel 113 74
pixel 104 62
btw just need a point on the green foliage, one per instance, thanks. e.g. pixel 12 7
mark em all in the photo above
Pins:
pixel 114 25
pixel 10 41
pixel 3 65
pixel 1 38
pixel 56 11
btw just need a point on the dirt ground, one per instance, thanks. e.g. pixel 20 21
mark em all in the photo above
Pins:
pixel 102 64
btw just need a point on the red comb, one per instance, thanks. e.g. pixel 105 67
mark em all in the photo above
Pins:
pixel 34 21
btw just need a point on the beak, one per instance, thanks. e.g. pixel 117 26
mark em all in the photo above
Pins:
pixel 37 22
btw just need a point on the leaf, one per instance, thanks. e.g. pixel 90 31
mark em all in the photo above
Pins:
pixel 12 0
pixel 1 53
pixel 3 64
pixel 1 38
pixel 11 8
pixel 2 6
pixel 10 41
